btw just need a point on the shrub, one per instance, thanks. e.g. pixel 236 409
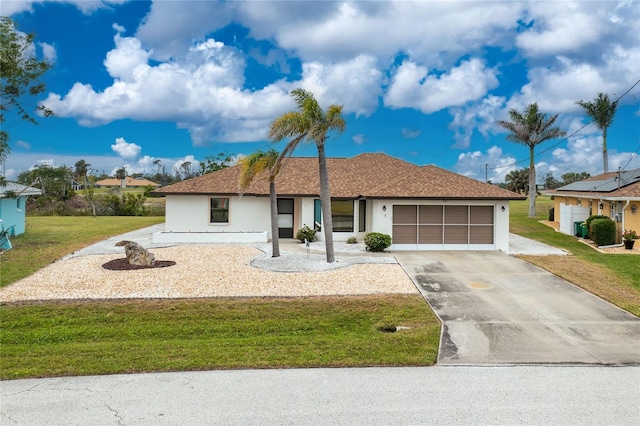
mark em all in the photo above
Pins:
pixel 603 231
pixel 591 218
pixel 306 233
pixel 352 240
pixel 375 241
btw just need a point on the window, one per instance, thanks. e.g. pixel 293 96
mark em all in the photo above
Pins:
pixel 362 216
pixel 219 210
pixel 342 215
pixel 317 215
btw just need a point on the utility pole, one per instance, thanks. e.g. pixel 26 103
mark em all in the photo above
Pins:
pixel 486 173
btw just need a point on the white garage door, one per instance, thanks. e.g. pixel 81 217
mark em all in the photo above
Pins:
pixel 425 227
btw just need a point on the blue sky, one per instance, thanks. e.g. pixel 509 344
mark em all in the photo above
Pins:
pixel 134 82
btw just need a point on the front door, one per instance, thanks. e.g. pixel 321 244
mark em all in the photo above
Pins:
pixel 285 217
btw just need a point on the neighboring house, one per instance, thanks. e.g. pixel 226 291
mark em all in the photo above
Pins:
pixel 128 182
pixel 424 208
pixel 13 200
pixel 615 194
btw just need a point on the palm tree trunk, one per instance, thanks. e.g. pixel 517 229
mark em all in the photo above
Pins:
pixel 605 154
pixel 275 236
pixel 533 191
pixel 325 201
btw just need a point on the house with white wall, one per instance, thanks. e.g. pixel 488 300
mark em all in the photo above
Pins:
pixel 420 207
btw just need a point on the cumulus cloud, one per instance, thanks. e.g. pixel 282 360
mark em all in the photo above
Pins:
pixel 202 93
pixel 480 115
pixel 413 87
pixel 494 164
pixel 355 83
pixel 125 149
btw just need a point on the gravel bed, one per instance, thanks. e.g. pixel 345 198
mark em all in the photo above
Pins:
pixel 213 271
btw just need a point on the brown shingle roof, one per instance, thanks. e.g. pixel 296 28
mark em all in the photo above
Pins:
pixel 365 175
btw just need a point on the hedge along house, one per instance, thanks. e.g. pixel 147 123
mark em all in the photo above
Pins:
pixel 615 194
pixel 13 206
pixel 421 207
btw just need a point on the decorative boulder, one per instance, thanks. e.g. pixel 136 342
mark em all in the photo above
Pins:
pixel 136 254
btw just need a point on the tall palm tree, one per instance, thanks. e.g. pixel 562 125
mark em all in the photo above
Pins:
pixel 601 111
pixel 311 123
pixel 258 163
pixel 531 128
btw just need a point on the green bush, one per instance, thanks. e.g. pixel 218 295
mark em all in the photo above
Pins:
pixel 591 218
pixel 352 240
pixel 375 241
pixel 603 231
pixel 306 233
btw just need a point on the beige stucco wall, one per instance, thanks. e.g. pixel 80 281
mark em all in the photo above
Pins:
pixel 609 208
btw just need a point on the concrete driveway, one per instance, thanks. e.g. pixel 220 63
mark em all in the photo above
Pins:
pixel 498 309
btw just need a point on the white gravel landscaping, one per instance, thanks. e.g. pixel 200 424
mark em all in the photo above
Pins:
pixel 215 271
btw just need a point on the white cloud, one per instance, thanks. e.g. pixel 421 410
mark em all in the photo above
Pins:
pixel 12 7
pixel 561 27
pixel 48 52
pixel 494 164
pixel 413 87
pixel 358 139
pixel 410 133
pixel 22 144
pixel 585 154
pixel 480 115
pixel 356 83
pixel 126 150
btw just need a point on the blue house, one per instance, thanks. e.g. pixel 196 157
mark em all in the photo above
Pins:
pixel 13 200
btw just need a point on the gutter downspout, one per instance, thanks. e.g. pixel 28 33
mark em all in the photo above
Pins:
pixel 622 214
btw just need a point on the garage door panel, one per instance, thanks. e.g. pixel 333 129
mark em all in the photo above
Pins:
pixel 405 234
pixel 430 234
pixel 481 215
pixel 456 215
pixel 430 214
pixel 456 234
pixel 405 214
pixel 481 235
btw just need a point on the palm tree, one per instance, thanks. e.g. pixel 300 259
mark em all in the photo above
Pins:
pixel 256 164
pixel 311 124
pixel 601 111
pixel 531 128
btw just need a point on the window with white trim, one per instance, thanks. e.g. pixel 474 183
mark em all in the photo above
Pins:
pixel 219 210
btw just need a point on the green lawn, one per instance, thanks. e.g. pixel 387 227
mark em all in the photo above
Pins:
pixel 107 337
pixel 54 339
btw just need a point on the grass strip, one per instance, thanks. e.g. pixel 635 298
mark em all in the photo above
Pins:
pixel 109 337
pixel 49 238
